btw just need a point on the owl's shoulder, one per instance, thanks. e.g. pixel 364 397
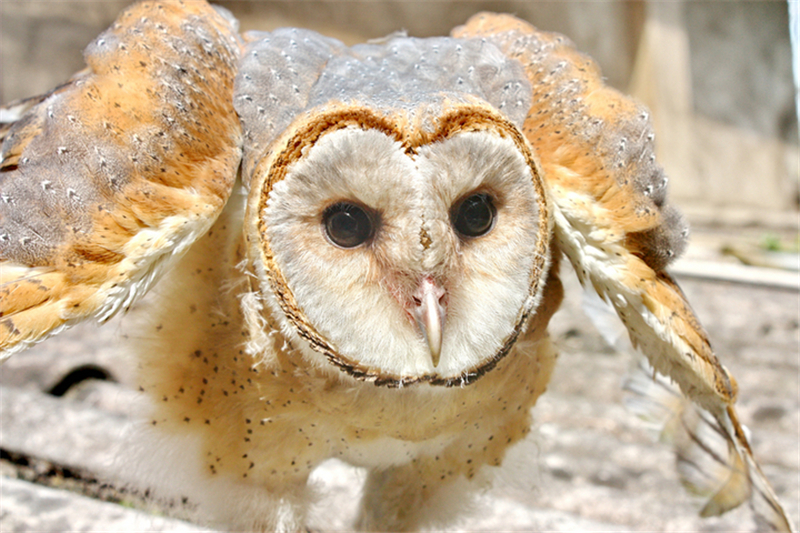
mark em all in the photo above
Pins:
pixel 596 145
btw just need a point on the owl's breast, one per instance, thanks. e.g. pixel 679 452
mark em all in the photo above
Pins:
pixel 390 427
pixel 260 405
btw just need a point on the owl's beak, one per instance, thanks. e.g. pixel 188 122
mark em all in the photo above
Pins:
pixel 429 313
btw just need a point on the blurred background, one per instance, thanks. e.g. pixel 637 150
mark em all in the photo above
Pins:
pixel 716 75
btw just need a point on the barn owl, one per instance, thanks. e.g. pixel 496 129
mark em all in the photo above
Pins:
pixel 356 248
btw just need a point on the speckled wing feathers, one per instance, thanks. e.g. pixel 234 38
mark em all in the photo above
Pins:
pixel 111 175
pixel 597 142
pixel 596 149
pixel 612 221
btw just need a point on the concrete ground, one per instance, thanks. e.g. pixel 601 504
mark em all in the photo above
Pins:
pixel 590 465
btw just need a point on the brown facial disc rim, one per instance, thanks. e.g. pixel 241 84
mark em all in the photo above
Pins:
pixel 458 119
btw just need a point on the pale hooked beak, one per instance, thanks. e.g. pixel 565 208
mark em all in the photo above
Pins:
pixel 429 313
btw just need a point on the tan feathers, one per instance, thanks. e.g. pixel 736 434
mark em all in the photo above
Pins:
pixel 612 221
pixel 109 176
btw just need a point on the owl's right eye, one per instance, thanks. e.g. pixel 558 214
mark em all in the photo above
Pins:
pixel 347 224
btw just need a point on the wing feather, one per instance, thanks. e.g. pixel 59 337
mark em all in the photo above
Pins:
pixel 612 220
pixel 611 215
pixel 110 176
pixel 708 454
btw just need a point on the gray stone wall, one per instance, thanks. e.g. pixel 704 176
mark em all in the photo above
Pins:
pixel 741 65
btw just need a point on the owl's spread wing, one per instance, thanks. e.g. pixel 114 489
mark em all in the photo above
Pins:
pixel 596 149
pixel 107 177
pixel 12 112
pixel 708 463
pixel 613 222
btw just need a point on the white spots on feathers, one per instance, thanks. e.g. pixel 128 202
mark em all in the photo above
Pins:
pixel 623 142
pixel 405 73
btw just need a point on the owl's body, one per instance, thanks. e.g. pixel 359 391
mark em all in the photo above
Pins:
pixel 376 285
pixel 264 408
pixel 264 421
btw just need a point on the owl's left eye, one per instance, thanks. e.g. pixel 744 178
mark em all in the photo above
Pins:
pixel 474 216
pixel 347 224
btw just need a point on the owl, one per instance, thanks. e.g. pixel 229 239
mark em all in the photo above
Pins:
pixel 357 252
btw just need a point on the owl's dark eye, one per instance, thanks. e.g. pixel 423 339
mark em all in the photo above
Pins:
pixel 474 215
pixel 347 224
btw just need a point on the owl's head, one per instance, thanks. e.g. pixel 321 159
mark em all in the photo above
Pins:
pixel 403 232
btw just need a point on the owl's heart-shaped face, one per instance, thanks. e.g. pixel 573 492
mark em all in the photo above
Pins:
pixel 401 255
